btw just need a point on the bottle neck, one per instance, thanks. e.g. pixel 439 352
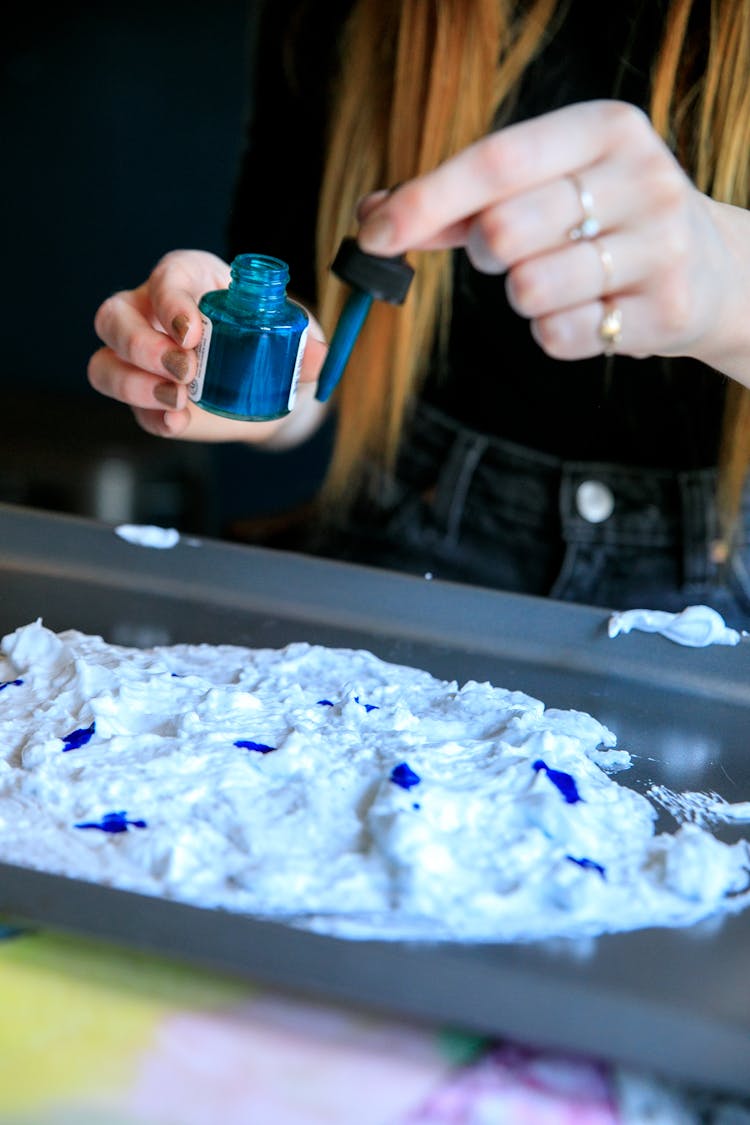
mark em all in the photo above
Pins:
pixel 258 284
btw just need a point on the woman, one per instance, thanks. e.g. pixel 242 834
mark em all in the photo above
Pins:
pixel 548 410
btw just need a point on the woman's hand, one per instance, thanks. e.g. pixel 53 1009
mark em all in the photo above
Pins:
pixel 606 243
pixel 148 359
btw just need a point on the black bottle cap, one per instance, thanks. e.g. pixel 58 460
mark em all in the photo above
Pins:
pixel 385 279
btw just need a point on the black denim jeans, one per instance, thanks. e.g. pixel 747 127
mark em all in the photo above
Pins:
pixel 471 508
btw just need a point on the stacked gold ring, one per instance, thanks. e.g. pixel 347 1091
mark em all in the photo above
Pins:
pixel 610 328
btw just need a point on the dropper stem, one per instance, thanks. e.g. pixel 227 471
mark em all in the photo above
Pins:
pixel 353 316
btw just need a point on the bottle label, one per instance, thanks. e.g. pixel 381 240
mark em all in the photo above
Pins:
pixel 297 366
pixel 195 389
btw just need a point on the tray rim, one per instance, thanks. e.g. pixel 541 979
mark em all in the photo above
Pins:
pixel 55 547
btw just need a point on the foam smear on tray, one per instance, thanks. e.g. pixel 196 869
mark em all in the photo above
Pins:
pixel 337 791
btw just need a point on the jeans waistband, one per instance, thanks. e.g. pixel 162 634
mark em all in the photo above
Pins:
pixel 483 479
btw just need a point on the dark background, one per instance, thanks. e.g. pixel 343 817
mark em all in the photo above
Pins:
pixel 122 130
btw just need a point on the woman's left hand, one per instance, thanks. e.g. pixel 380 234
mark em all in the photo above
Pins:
pixel 606 243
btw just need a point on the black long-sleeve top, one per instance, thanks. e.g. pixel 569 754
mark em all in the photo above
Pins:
pixel 494 377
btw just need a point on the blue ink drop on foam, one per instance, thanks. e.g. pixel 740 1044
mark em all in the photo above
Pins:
pixel 404 776
pixel 588 864
pixel 78 738
pixel 562 781
pixel 11 683
pixel 248 744
pixel 367 706
pixel 324 703
pixel 113 822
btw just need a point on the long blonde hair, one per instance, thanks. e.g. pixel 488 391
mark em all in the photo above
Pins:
pixel 421 79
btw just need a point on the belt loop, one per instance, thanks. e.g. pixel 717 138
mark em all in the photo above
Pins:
pixel 699 526
pixel 455 479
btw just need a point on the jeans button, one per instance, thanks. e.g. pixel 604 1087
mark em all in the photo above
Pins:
pixel 594 501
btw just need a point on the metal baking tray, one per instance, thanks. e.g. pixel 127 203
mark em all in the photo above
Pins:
pixel 674 1001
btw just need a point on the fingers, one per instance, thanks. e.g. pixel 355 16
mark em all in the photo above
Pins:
pixel 156 326
pixel 369 202
pixel 164 423
pixel 123 323
pixel 176 285
pixel 588 214
pixel 117 379
pixel 641 324
pixel 315 350
pixel 312 361
pixel 514 160
pixel 147 394
pixel 150 334
pixel 586 270
pixel 193 424
pixel 537 221
pixel 159 403
pixel 589 330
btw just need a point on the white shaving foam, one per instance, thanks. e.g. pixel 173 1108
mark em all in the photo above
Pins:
pixel 695 626
pixel 148 535
pixel 335 791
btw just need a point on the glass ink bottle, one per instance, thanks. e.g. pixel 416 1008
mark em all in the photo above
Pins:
pixel 250 354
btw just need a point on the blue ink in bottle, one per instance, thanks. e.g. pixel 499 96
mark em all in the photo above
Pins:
pixel 250 355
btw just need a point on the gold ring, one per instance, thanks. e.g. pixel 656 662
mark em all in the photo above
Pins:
pixel 605 258
pixel 610 329
pixel 589 225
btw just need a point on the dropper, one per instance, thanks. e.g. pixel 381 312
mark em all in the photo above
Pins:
pixel 371 278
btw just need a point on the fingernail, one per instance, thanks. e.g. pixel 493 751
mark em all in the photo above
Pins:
pixel 481 256
pixel 368 203
pixel 376 234
pixel 167 394
pixel 176 363
pixel 181 326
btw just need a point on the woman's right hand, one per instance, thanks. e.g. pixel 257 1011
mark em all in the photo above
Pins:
pixel 149 359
